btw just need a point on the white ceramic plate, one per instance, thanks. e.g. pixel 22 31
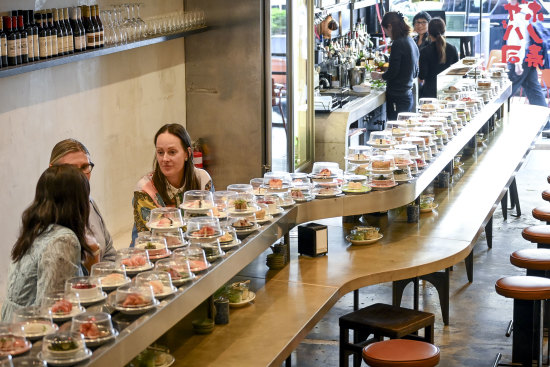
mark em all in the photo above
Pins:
pixel 246 302
pixel 271 189
pixel 64 317
pixel 137 310
pixel 181 281
pixel 91 301
pixel 277 212
pixel 187 206
pixel 166 292
pixel 266 219
pixel 255 227
pixel 138 269
pixel 24 346
pixel 304 199
pixel 100 341
pixel 112 287
pixel 287 205
pixel 364 242
pixel 363 190
pixel 382 187
pixel 37 330
pixel 229 245
pixel 248 210
pixel 81 356
pixel 323 196
pixel 428 210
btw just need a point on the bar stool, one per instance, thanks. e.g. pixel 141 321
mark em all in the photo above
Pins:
pixel 538 234
pixel 527 292
pixel 546 194
pixel 401 352
pixel 542 213
pixel 535 260
pixel 381 320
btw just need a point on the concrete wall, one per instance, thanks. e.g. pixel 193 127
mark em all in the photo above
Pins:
pixel 114 104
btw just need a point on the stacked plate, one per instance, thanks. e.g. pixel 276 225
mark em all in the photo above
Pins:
pixel 203 326
pixel 275 261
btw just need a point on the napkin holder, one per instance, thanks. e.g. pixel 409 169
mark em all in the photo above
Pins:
pixel 312 239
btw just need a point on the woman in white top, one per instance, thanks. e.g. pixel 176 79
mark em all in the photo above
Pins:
pixel 173 174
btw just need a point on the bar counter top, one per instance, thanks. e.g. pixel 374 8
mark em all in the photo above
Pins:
pixel 289 302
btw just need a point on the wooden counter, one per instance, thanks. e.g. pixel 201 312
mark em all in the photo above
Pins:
pixel 291 301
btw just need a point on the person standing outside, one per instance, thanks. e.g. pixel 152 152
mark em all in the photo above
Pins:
pixel 435 58
pixel 403 66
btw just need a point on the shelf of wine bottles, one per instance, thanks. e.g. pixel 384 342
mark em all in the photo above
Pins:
pixel 32 40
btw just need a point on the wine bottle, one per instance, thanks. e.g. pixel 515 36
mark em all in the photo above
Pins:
pixel 55 48
pixel 42 36
pixel 79 37
pixel 12 42
pixel 81 25
pixel 24 43
pixel 32 36
pixel 62 47
pixel 17 39
pixel 89 27
pixel 96 27
pixel 3 45
pixel 70 36
pixel 99 27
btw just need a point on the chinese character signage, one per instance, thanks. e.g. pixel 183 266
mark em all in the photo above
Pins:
pixel 510 53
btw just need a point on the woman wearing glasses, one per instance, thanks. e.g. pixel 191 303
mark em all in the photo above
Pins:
pixel 173 174
pixel 51 241
pixel 420 23
pixel 73 152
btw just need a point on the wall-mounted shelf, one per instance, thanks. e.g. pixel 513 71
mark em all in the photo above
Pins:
pixel 43 64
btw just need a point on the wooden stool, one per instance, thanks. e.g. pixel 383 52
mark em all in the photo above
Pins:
pixel 535 260
pixel 401 352
pixel 538 234
pixel 527 292
pixel 542 213
pixel 546 195
pixel 381 320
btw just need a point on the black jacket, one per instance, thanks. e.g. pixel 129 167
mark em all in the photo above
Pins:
pixel 430 67
pixel 403 66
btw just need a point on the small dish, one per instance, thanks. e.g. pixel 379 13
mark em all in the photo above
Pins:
pixel 164 218
pixel 244 302
pixel 135 300
pixel 79 357
pixel 429 209
pixel 178 268
pixel 326 193
pixel 364 242
pixel 159 280
pixel 63 347
pixel 12 341
pixel 255 227
pixel 134 259
pixel 96 327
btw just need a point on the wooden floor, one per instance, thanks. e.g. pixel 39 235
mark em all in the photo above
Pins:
pixel 478 315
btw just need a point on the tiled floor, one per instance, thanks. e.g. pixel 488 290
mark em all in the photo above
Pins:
pixel 478 316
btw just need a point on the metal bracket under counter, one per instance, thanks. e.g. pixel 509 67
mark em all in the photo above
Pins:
pixel 332 129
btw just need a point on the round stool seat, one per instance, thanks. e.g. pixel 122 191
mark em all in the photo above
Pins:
pixel 542 213
pixel 531 258
pixel 401 352
pixel 537 234
pixel 546 195
pixel 524 287
pixel 548 179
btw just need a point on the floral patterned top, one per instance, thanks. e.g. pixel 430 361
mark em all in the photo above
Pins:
pixel 146 197
pixel 53 258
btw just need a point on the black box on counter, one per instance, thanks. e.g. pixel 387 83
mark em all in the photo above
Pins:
pixel 312 239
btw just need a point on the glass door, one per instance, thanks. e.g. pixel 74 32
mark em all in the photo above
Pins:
pixel 291 118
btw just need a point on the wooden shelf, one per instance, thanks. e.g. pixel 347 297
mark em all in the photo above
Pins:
pixel 43 64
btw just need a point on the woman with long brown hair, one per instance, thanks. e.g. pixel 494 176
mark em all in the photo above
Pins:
pixel 435 58
pixel 403 65
pixel 51 242
pixel 173 174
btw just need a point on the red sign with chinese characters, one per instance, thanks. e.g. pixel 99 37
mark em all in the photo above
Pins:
pixel 510 52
